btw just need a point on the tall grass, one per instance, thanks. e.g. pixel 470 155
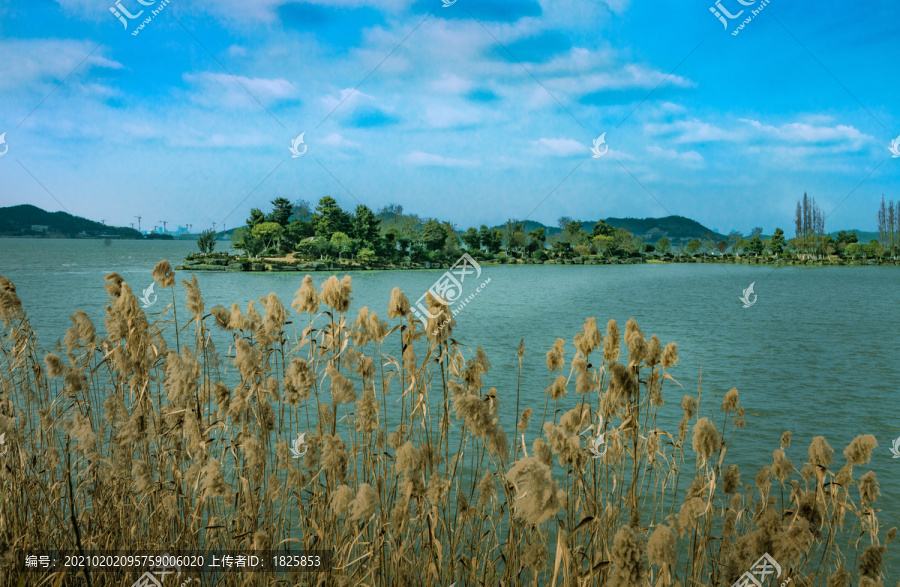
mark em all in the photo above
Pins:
pixel 121 442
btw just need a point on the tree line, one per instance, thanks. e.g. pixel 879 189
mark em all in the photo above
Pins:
pixel 390 235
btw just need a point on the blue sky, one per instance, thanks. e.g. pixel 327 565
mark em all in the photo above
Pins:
pixel 473 113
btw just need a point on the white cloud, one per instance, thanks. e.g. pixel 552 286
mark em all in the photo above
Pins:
pixel 442 116
pixel 451 84
pixel 238 91
pixel 346 98
pixel 693 131
pixel 267 10
pixel 336 140
pixel 692 158
pixel 31 62
pixel 802 132
pixel 420 159
pixel 561 147
pixel 196 138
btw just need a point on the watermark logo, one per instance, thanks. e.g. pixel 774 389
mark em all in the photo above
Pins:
pixel 159 578
pixel 895 449
pixel 894 148
pixel 3 448
pixel 145 298
pixel 600 147
pixel 746 297
pixel 448 289
pixel 297 444
pixel 5 146
pixel 295 144
pixel 124 15
pixel 448 4
pixel 724 15
pixel 760 571
pixel 596 443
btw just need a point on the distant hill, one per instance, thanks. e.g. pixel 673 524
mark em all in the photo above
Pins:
pixel 675 228
pixel 864 236
pixel 28 220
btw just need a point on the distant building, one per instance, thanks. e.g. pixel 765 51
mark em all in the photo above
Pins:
pixel 40 228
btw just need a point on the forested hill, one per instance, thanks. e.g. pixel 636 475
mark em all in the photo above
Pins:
pixel 18 221
pixel 674 228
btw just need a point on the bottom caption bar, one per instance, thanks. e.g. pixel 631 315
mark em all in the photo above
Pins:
pixel 163 568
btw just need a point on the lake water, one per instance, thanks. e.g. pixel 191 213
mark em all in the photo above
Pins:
pixel 816 354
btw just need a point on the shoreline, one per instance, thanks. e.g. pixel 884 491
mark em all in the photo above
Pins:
pixel 282 265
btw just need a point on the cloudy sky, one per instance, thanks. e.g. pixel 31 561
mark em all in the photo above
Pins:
pixel 477 112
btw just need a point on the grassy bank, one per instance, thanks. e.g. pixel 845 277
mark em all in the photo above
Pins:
pixel 225 262
pixel 148 436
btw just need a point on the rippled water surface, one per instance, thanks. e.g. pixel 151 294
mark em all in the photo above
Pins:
pixel 816 354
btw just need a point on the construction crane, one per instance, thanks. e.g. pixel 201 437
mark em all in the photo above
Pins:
pixel 164 225
pixel 189 228
pixel 139 222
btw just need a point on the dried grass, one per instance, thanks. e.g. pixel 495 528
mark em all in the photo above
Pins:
pixel 408 476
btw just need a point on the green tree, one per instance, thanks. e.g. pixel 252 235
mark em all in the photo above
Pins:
pixel 282 209
pixel 432 235
pixel 516 241
pixel 451 245
pixel 570 229
pixel 324 248
pixel 341 242
pixel 269 233
pixel 206 242
pixel 638 243
pixel 624 241
pixel 756 245
pixel 847 237
pixel 491 239
pixel 330 218
pixel 256 217
pixel 582 250
pixel 404 244
pixel 663 245
pixel 298 230
pixel 536 240
pixel 778 242
pixel 693 247
pixel 560 248
pixel 451 240
pixel 301 210
pixel 366 227
pixel 735 237
pixel 366 256
pixel 603 244
pixel 243 239
pixel 472 239
pixel 603 229
pixel 514 235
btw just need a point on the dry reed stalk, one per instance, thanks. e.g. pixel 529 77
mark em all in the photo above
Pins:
pixel 185 449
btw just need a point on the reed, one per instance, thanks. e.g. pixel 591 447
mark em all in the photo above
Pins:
pixel 121 442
